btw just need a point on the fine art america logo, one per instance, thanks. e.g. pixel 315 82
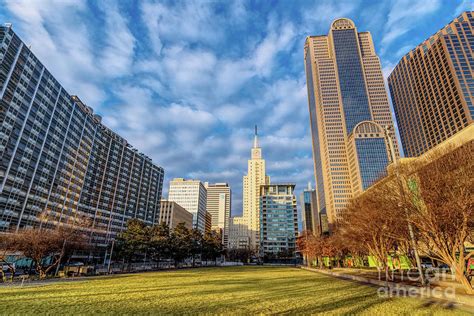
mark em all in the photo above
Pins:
pixel 438 283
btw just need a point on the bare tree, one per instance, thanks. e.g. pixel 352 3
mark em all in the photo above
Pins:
pixel 47 247
pixel 376 223
pixel 7 251
pixel 442 208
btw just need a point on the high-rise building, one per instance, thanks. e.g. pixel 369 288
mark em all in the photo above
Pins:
pixel 309 211
pixel 218 205
pixel 208 225
pixel 255 177
pixel 192 195
pixel 349 112
pixel 58 161
pixel 278 220
pixel 238 233
pixel 172 214
pixel 432 87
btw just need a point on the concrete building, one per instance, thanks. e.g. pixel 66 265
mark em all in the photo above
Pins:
pixel 349 111
pixel 238 233
pixel 309 211
pixel 256 177
pixel 59 161
pixel 208 226
pixel 219 203
pixel 432 87
pixel 171 213
pixel 192 196
pixel 278 220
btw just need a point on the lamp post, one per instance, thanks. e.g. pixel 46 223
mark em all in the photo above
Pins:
pixel 410 228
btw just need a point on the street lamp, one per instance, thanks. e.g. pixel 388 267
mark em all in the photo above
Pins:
pixel 410 228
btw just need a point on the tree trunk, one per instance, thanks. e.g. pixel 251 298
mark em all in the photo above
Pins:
pixel 462 278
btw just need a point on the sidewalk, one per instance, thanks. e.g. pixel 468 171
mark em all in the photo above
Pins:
pixel 438 290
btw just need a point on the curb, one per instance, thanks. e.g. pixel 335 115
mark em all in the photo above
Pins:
pixel 394 288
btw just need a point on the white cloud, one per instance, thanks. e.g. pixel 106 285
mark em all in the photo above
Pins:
pixel 186 21
pixel 117 57
pixel 278 39
pixel 465 5
pixel 59 39
pixel 404 16
pixel 319 17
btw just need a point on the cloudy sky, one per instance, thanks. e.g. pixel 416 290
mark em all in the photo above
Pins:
pixel 186 81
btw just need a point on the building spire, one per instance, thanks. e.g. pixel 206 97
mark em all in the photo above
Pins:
pixel 255 139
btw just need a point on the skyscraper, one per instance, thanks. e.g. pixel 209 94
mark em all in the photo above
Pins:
pixel 59 161
pixel 192 195
pixel 432 87
pixel 255 177
pixel 309 211
pixel 278 220
pixel 349 110
pixel 218 205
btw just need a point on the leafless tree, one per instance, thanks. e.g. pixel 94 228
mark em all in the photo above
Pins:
pixel 442 208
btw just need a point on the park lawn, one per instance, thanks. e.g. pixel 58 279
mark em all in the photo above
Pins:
pixel 230 290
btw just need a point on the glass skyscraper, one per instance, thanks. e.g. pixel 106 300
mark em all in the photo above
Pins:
pixel 432 87
pixel 349 112
pixel 278 220
pixel 309 211
pixel 58 161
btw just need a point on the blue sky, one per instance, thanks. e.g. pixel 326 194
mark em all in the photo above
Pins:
pixel 185 81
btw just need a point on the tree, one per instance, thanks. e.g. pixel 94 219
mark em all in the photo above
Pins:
pixel 442 207
pixel 47 247
pixel 240 254
pixel 133 241
pixel 159 243
pixel 7 247
pixel 196 243
pixel 212 245
pixel 376 222
pixel 181 243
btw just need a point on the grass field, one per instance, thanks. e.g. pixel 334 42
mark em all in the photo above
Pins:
pixel 232 290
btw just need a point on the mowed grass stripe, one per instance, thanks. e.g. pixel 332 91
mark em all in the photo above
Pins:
pixel 231 290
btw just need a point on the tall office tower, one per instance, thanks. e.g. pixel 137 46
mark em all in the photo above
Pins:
pixel 192 195
pixel 278 220
pixel 218 205
pixel 238 233
pixel 309 211
pixel 172 214
pixel 349 111
pixel 255 177
pixel 59 161
pixel 432 87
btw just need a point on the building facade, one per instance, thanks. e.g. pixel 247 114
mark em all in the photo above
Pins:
pixel 192 195
pixel 58 162
pixel 278 220
pixel 238 233
pixel 349 111
pixel 255 178
pixel 432 87
pixel 171 213
pixel 309 211
pixel 219 198
pixel 208 226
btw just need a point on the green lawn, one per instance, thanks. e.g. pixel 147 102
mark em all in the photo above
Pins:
pixel 232 290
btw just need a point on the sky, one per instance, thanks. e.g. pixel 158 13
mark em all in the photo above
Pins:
pixel 186 81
